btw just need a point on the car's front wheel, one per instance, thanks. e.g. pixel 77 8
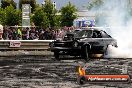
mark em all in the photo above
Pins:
pixel 56 55
pixel 106 49
pixel 85 52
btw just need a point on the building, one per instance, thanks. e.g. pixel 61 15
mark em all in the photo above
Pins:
pixel 84 19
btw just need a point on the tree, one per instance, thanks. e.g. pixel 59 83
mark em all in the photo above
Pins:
pixel 50 13
pixel 2 16
pixel 68 14
pixel 39 18
pixel 12 16
pixel 5 3
pixel 31 2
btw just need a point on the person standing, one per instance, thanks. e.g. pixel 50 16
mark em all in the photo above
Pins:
pixel 19 34
pixel 25 33
pixel 1 32
pixel 33 34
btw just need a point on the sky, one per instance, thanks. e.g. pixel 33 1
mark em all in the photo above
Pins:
pixel 59 3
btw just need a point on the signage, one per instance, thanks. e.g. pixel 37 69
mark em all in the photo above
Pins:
pixel 15 44
pixel 26 14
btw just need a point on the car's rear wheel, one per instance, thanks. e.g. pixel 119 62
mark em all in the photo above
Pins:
pixel 85 52
pixel 56 55
pixel 81 80
pixel 105 51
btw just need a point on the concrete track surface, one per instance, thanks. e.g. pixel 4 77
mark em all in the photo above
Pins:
pixel 45 72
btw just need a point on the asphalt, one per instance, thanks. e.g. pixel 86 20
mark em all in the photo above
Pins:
pixel 46 72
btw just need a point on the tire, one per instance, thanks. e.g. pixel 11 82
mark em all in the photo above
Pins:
pixel 129 80
pixel 56 55
pixel 85 52
pixel 105 52
pixel 81 80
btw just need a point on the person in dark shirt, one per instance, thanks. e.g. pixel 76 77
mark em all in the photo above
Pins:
pixel 47 34
pixel 25 33
pixel 33 34
pixel 14 34
pixel 5 34
pixel 10 33
pixel 41 34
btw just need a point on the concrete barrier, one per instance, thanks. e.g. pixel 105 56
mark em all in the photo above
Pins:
pixel 24 48
pixel 28 45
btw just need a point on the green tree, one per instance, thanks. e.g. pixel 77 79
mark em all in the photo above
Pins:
pixel 12 16
pixel 68 14
pixel 31 2
pixel 5 3
pixel 50 13
pixel 2 16
pixel 39 18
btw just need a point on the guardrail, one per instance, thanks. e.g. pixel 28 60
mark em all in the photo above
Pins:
pixel 29 45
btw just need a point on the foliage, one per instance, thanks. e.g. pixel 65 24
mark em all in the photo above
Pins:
pixel 2 16
pixel 45 16
pixel 5 3
pixel 42 16
pixel 68 14
pixel 10 16
pixel 50 11
pixel 39 18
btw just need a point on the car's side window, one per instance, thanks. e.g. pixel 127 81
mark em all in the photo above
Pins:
pixel 96 34
pixel 104 34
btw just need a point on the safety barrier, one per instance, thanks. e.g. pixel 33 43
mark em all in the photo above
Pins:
pixel 29 45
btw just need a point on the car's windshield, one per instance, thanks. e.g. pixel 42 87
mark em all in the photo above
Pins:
pixel 82 33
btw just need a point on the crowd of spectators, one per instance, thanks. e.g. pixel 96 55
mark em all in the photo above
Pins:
pixel 33 33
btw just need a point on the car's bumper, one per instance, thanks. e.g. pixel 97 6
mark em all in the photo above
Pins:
pixel 64 48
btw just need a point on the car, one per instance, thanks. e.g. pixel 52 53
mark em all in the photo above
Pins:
pixel 82 42
pixel 101 74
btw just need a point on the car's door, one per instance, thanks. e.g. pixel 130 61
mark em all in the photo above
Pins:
pixel 97 41
pixel 107 39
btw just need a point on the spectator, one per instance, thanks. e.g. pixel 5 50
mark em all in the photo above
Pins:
pixel 46 34
pixel 41 34
pixel 10 33
pixel 5 33
pixel 33 34
pixel 25 33
pixel 1 31
pixel 19 34
pixel 53 34
pixel 56 34
pixel 14 34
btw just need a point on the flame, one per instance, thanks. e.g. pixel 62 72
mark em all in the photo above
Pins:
pixel 81 71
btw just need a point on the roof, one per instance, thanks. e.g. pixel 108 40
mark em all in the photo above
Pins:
pixel 91 28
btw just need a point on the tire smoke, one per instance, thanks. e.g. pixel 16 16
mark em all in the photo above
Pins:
pixel 114 15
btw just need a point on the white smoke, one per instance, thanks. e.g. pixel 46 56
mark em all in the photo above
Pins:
pixel 116 17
